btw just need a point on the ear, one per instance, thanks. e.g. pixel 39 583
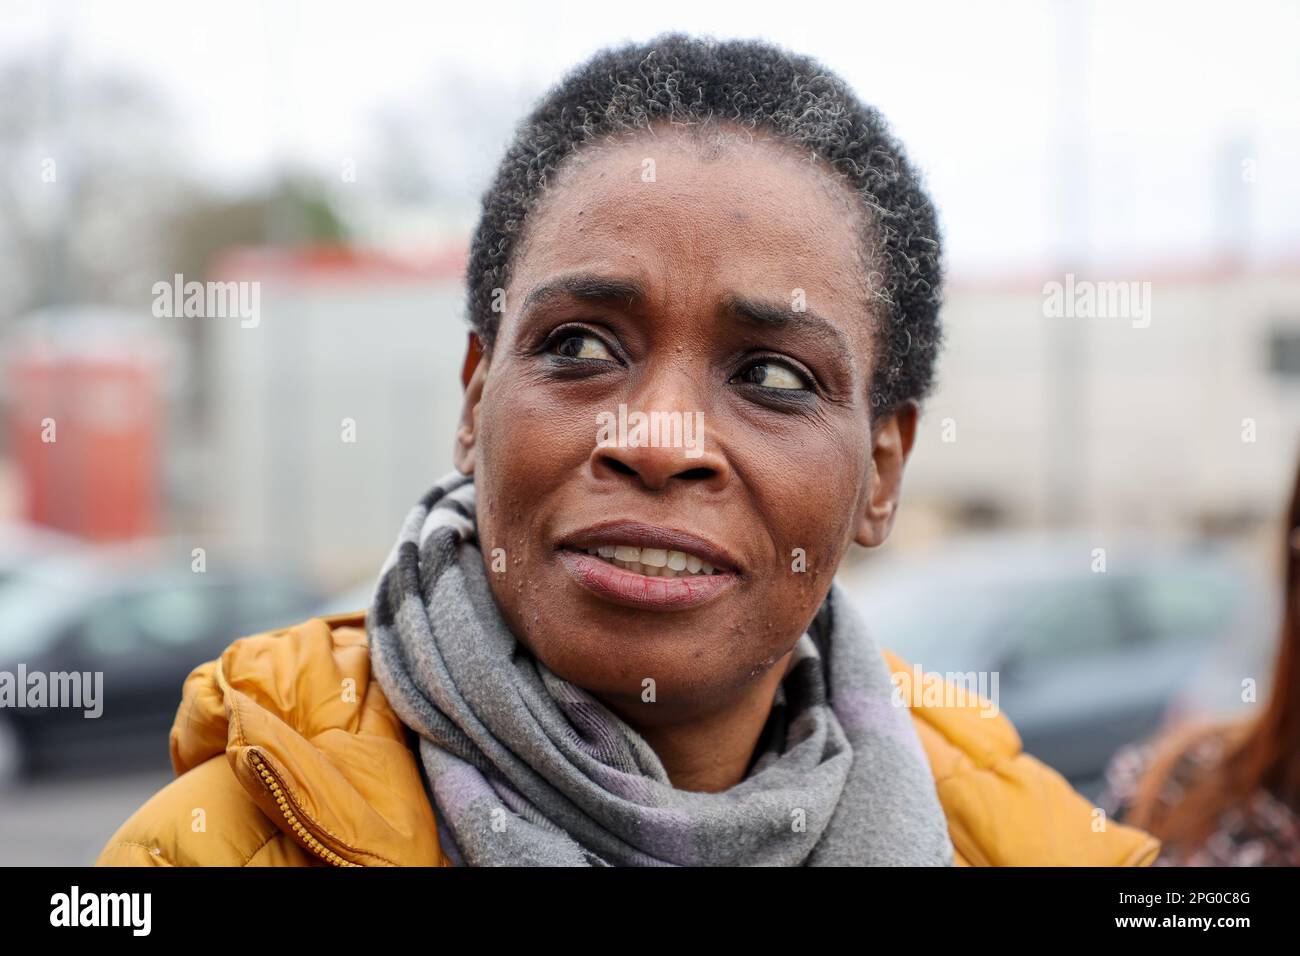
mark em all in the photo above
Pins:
pixel 472 374
pixel 891 444
pixel 473 352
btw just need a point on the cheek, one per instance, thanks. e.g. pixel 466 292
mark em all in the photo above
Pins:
pixel 528 439
pixel 811 491
pixel 528 448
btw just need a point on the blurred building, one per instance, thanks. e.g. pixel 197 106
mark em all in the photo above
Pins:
pixel 1188 418
pixel 328 419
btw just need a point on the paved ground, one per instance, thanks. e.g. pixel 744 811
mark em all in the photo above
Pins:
pixel 65 822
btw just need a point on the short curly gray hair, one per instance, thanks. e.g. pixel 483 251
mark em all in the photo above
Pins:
pixel 697 83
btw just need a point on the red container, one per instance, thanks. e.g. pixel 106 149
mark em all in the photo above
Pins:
pixel 100 475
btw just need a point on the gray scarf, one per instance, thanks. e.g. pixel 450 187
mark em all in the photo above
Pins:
pixel 525 768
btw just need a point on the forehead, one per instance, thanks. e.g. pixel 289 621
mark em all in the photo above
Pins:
pixel 740 215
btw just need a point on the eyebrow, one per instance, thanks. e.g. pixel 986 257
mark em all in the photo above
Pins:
pixel 780 316
pixel 593 287
pixel 586 287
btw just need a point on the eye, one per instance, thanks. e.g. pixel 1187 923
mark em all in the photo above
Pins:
pixel 775 375
pixel 577 344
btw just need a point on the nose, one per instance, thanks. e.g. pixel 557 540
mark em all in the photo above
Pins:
pixel 658 447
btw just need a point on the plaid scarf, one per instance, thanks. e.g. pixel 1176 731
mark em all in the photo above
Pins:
pixel 525 768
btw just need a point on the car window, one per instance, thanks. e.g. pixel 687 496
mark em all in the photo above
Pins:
pixel 176 616
pixel 262 606
pixel 1188 603
pixel 935 622
pixel 32 610
pixel 1059 621
pixel 181 616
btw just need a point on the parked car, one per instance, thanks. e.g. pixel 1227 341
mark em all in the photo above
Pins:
pixel 1086 659
pixel 143 619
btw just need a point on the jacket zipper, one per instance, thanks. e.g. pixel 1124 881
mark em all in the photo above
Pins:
pixel 286 808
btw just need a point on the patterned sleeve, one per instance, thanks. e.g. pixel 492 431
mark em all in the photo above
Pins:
pixel 1123 775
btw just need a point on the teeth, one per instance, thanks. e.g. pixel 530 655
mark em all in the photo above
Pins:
pixel 653 562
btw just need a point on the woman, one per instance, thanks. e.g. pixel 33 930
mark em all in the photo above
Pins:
pixel 1227 794
pixel 704 292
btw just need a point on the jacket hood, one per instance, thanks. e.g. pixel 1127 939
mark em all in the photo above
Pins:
pixel 312 740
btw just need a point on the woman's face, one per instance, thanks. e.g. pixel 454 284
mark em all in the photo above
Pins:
pixel 729 289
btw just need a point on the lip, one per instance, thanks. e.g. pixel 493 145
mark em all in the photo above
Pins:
pixel 620 586
pixel 642 535
pixel 629 589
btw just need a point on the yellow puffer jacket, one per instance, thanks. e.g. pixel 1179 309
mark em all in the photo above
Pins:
pixel 287 754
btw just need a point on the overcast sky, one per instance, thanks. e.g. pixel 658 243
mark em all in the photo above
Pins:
pixel 1141 115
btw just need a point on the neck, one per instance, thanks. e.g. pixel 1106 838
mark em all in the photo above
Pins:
pixel 711 752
